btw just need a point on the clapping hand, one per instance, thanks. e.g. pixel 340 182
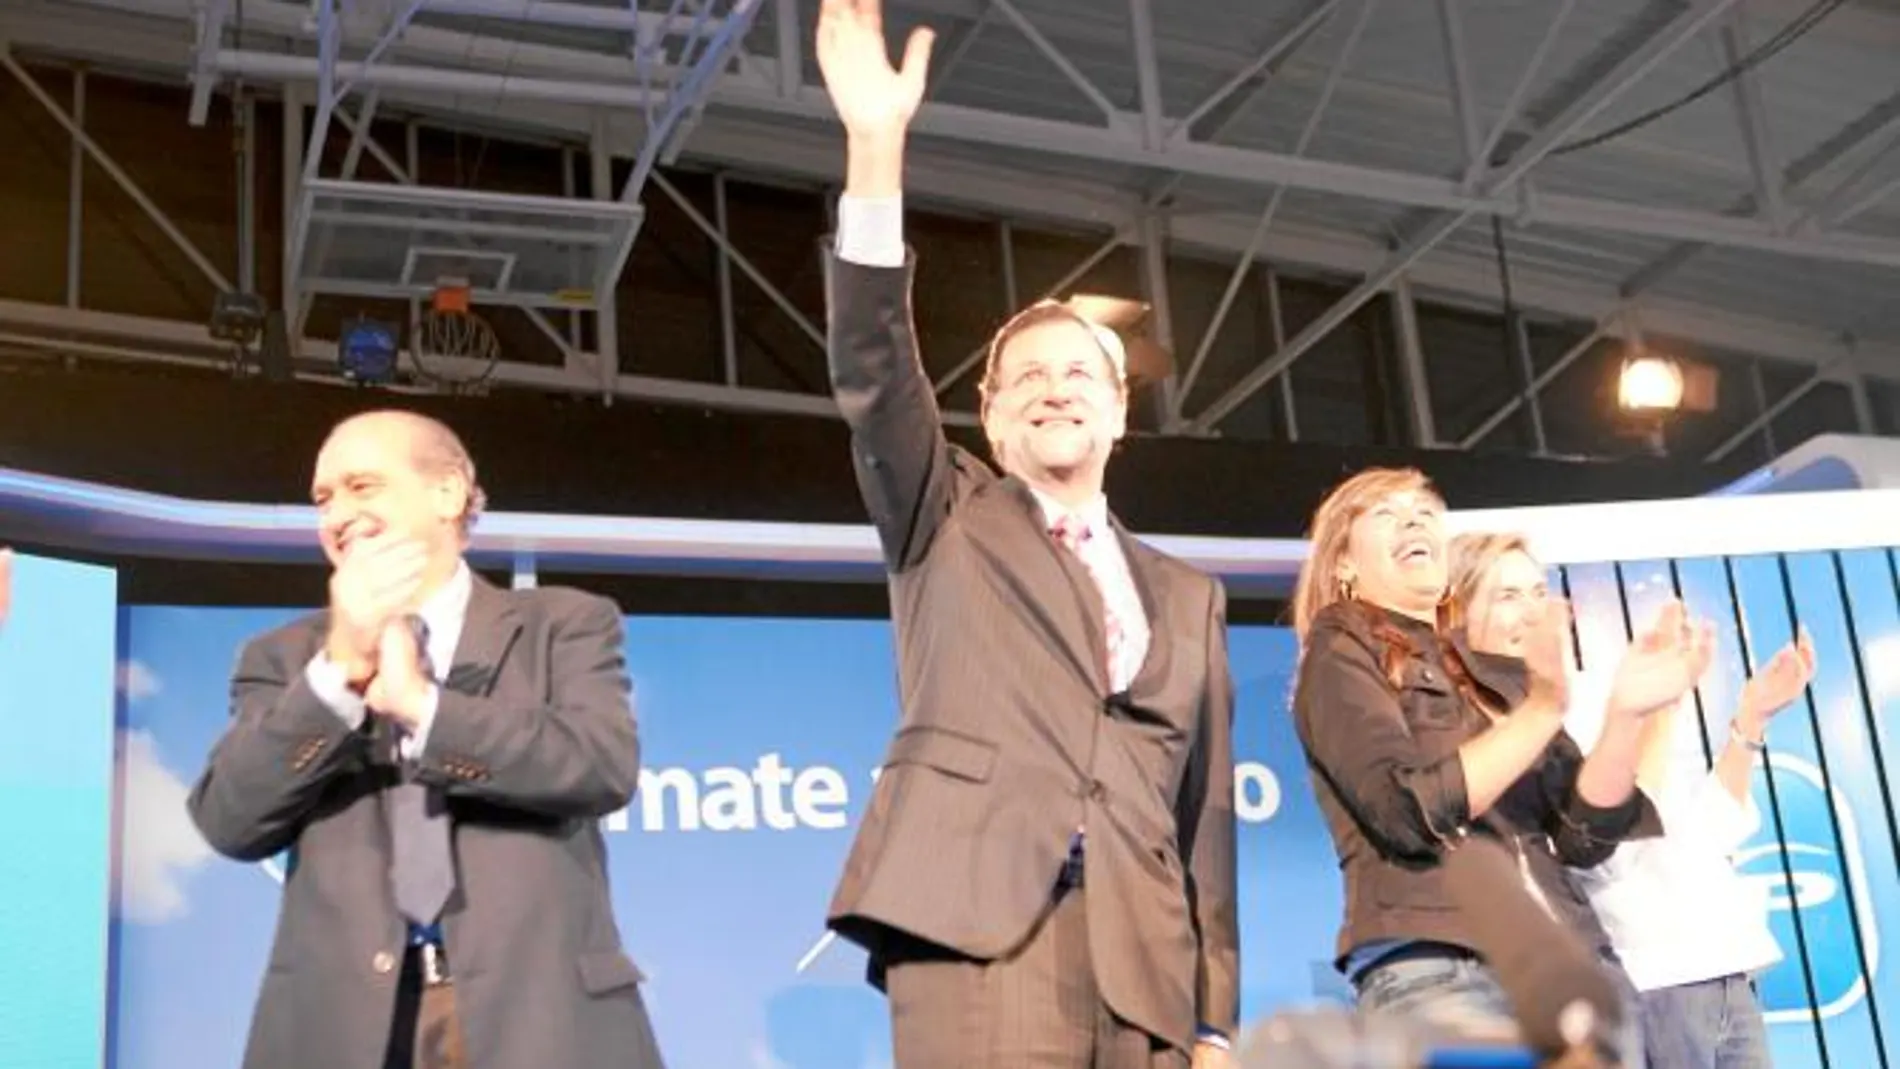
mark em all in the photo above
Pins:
pixel 1776 685
pixel 375 583
pixel 400 687
pixel 1662 664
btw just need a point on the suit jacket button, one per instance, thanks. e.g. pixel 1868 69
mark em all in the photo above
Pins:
pixel 383 962
pixel 1097 791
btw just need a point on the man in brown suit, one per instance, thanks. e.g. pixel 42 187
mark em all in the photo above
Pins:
pixel 1045 873
pixel 436 754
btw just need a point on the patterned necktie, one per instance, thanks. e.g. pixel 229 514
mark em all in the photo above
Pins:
pixel 1074 532
pixel 423 868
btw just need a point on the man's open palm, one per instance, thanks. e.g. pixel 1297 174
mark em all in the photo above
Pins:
pixel 872 97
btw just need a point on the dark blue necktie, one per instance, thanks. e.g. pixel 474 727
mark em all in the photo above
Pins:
pixel 423 869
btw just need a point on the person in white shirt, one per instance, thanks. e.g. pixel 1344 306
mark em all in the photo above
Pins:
pixel 1690 932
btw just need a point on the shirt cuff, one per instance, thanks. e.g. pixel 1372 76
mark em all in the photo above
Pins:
pixel 871 231
pixel 1212 1038
pixel 330 685
pixel 1442 798
pixel 1716 816
pixel 1633 818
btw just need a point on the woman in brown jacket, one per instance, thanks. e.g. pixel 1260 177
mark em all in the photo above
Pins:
pixel 1414 742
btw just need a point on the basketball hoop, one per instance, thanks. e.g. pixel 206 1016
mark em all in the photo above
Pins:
pixel 451 297
pixel 449 333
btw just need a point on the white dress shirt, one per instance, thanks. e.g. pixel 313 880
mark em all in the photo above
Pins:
pixel 871 231
pixel 1674 907
pixel 443 613
pixel 1102 554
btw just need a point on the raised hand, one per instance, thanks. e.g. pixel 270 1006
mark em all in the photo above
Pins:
pixel 1664 663
pixel 373 585
pixel 1776 685
pixel 874 100
pixel 1547 653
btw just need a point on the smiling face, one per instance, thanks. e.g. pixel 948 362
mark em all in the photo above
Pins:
pixel 1395 553
pixel 1507 597
pixel 1377 538
pixel 1054 405
pixel 371 485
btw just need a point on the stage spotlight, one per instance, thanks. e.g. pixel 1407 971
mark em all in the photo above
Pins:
pixel 1144 360
pixel 366 352
pixel 1649 384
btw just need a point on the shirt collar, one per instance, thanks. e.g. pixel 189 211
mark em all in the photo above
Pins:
pixel 447 606
pixel 1410 625
pixel 1094 513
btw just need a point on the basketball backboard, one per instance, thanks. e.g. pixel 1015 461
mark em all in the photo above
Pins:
pixel 376 239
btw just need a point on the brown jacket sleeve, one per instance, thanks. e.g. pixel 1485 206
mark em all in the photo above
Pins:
pixel 1205 817
pixel 1350 722
pixel 1585 835
pixel 898 448
pixel 269 770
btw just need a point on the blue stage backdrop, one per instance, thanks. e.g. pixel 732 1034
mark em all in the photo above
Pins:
pixel 56 659
pixel 761 737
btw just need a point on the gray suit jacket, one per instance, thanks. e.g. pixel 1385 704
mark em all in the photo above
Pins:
pixel 533 741
pixel 1009 737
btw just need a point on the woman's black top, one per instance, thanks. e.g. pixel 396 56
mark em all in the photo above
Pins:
pixel 1384 763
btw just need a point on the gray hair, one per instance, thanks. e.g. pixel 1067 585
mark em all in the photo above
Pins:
pixel 439 451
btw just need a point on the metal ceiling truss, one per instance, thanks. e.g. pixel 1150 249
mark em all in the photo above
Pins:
pixel 644 99
pixel 673 57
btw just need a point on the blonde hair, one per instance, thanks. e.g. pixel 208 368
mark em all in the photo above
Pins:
pixel 1472 557
pixel 1319 585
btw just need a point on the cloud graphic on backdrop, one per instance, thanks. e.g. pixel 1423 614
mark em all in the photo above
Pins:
pixel 136 681
pixel 158 844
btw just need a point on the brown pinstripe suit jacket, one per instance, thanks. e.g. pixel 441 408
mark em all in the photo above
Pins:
pixel 1008 735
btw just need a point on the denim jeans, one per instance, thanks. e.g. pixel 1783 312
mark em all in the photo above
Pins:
pixel 1711 1024
pixel 1459 998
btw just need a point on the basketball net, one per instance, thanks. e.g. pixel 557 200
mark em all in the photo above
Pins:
pixel 451 332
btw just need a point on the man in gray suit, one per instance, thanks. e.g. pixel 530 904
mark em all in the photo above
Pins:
pixel 1045 873
pixel 435 754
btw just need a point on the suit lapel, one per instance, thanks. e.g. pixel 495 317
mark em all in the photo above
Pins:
pixel 488 632
pixel 1059 584
pixel 1147 579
